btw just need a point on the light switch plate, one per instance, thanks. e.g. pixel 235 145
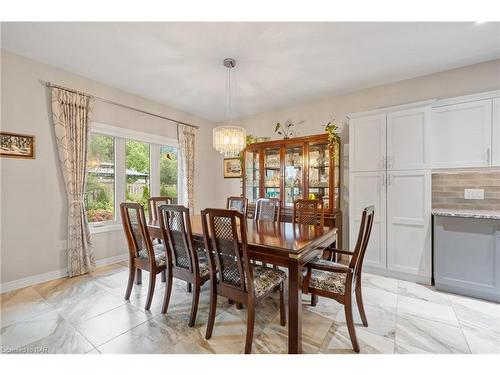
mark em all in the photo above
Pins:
pixel 473 193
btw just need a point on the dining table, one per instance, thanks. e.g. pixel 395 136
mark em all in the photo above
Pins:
pixel 283 244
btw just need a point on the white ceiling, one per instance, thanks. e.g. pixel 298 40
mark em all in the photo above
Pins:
pixel 278 64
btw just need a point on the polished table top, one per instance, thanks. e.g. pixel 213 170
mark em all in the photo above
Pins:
pixel 287 237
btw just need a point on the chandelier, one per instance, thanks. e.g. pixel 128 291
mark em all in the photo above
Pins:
pixel 229 140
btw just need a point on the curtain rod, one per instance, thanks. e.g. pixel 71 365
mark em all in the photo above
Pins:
pixel 49 84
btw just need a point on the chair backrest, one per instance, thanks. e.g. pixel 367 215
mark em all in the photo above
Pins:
pixel 237 203
pixel 136 230
pixel 267 209
pixel 365 229
pixel 154 203
pixel 308 211
pixel 177 236
pixel 226 243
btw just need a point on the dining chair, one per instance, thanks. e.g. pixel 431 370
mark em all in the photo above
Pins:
pixel 308 211
pixel 143 255
pixel 237 203
pixel 232 275
pixel 154 203
pixel 267 209
pixel 337 281
pixel 184 260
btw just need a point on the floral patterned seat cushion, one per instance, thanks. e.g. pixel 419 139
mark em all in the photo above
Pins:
pixel 160 257
pixel 265 279
pixel 328 280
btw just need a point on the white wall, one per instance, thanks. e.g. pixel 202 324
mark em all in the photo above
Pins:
pixel 467 80
pixel 33 197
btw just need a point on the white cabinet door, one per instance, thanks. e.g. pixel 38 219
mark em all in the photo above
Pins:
pixel 367 143
pixel 495 146
pixel 408 139
pixel 408 222
pixel 366 189
pixel 461 135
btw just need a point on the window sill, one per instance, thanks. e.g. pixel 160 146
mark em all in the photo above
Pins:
pixel 105 228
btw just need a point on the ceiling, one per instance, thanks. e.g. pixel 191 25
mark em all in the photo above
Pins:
pixel 278 64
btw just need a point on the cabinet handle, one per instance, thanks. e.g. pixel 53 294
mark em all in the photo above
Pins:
pixel 383 162
pixel 383 179
pixel 488 156
pixel 388 179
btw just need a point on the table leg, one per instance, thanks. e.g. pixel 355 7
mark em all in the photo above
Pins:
pixel 294 308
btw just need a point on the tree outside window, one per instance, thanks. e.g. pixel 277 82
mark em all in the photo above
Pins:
pixel 100 187
pixel 168 172
pixel 137 164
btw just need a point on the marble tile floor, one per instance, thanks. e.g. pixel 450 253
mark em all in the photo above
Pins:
pixel 88 314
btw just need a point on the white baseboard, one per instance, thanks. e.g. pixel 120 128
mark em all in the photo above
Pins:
pixel 426 280
pixel 53 275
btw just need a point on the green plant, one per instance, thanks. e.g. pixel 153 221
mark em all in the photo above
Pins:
pixel 333 137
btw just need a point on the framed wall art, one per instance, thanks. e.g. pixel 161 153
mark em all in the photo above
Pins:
pixel 232 168
pixel 13 145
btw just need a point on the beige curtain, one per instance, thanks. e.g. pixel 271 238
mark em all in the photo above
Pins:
pixel 70 117
pixel 187 136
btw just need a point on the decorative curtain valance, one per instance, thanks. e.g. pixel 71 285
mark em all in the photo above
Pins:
pixel 70 117
pixel 187 136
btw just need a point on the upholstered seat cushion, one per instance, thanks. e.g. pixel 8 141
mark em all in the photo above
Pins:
pixel 265 279
pixel 328 280
pixel 160 256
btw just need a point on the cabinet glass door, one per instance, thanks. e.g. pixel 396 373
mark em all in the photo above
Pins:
pixel 252 175
pixel 293 174
pixel 319 173
pixel 272 172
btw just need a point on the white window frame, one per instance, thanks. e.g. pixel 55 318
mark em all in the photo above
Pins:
pixel 120 136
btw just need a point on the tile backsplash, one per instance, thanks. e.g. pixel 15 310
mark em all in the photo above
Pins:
pixel 448 189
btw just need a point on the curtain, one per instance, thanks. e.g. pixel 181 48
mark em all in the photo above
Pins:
pixel 70 117
pixel 186 135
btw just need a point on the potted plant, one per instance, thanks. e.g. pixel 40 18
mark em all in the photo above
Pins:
pixel 284 130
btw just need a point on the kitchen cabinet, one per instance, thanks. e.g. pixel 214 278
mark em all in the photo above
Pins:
pixel 408 139
pixel 495 133
pixel 461 135
pixel 390 169
pixel 467 255
pixel 368 188
pixel 367 133
pixel 409 222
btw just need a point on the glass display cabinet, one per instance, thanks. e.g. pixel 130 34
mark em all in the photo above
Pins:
pixel 251 171
pixel 290 169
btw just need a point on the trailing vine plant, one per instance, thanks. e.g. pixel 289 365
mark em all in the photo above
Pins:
pixel 333 138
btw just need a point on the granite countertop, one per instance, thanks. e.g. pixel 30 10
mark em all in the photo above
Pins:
pixel 476 214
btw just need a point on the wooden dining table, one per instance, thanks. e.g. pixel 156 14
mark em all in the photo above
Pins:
pixel 283 244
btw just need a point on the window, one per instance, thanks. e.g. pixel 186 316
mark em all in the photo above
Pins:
pixel 137 164
pixel 100 188
pixel 125 165
pixel 168 172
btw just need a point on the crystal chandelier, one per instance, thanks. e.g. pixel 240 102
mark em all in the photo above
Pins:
pixel 229 140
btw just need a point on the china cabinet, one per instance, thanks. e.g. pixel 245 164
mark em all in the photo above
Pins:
pixel 291 169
